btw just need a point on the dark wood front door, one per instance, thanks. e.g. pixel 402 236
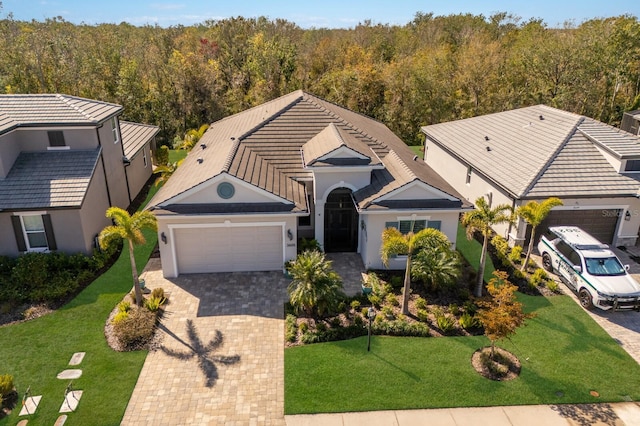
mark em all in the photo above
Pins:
pixel 340 222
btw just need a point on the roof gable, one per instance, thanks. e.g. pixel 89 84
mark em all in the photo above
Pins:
pixel 335 146
pixel 135 136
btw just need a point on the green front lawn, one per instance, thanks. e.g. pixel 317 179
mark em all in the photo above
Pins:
pixel 34 352
pixel 565 355
pixel 176 155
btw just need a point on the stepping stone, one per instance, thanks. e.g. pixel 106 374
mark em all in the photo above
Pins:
pixel 77 358
pixel 71 401
pixel 60 421
pixel 70 374
pixel 30 405
pixel 22 422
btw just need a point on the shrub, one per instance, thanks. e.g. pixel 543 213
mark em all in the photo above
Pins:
pixel 392 299
pixel 539 277
pixel 468 321
pixel 124 306
pixel 304 327
pixel 446 323
pixel 501 245
pixel 388 312
pixel 401 328
pixel 335 322
pixel 358 321
pixel 421 303
pixel 320 326
pixel 136 330
pixel 454 309
pixel 355 305
pixel 342 307
pixel 308 245
pixel 396 281
pixel 552 285
pixel 365 312
pixel 158 292
pixel 516 254
pixel 119 317
pixel 162 155
pixel 290 328
pixel 375 300
pixel 6 384
pixel 423 315
pixel 153 304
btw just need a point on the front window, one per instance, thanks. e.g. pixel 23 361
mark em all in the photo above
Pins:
pixel 34 232
pixel 604 266
pixel 415 226
pixel 469 172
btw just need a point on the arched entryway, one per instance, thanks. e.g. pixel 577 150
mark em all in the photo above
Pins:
pixel 340 222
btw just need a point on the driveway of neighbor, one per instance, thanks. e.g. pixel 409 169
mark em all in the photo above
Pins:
pixel 247 308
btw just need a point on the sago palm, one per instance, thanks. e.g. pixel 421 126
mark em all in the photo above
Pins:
pixel 315 287
pixel 128 227
pixel 394 243
pixel 482 219
pixel 438 267
pixel 534 213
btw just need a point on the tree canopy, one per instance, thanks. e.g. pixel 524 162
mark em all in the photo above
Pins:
pixel 433 69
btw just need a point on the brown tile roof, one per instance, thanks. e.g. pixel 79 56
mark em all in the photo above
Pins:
pixel 330 140
pixel 48 179
pixel 52 109
pixel 263 146
pixel 135 136
pixel 526 151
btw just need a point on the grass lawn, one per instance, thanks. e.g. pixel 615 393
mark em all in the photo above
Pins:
pixel 565 355
pixel 34 352
pixel 177 155
pixel 417 150
pixel 471 250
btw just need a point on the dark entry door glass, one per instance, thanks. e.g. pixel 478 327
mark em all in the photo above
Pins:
pixel 340 222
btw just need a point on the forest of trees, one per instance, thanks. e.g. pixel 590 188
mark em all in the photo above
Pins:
pixel 434 69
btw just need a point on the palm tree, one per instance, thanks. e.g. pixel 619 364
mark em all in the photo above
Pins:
pixel 166 171
pixel 395 243
pixel 436 267
pixel 534 213
pixel 193 136
pixel 129 228
pixel 315 288
pixel 481 219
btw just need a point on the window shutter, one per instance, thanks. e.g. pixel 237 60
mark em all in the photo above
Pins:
pixel 48 230
pixel 17 230
pixel 405 226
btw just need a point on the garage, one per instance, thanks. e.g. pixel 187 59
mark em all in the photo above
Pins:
pixel 601 223
pixel 228 248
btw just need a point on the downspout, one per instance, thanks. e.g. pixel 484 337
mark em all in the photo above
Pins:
pixel 104 169
pixel 126 175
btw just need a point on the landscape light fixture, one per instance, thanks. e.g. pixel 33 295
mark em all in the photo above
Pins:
pixel 371 313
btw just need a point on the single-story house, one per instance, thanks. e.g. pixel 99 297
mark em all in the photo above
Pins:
pixel 297 166
pixel 64 161
pixel 538 152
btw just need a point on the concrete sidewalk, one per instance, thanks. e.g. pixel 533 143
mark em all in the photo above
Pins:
pixel 618 414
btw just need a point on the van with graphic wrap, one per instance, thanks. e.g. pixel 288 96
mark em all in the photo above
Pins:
pixel 590 268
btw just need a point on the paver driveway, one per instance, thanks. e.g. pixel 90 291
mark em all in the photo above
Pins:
pixel 247 308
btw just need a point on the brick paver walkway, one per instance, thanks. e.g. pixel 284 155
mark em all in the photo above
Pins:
pixel 248 310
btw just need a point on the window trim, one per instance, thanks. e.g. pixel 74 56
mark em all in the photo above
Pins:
pixel 56 139
pixel 426 219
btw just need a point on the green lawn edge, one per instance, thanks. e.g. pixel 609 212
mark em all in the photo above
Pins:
pixel 34 352
pixel 565 355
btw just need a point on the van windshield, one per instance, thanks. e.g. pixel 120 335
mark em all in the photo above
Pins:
pixel 604 266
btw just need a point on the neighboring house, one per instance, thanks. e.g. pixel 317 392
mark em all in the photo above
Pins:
pixel 538 152
pixel 63 162
pixel 631 122
pixel 297 166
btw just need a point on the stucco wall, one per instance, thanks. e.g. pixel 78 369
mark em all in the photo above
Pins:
pixel 8 244
pixel 244 193
pixel 137 173
pixel 9 151
pixel 112 154
pixel 94 207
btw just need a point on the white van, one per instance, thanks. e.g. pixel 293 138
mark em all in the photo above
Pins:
pixel 590 268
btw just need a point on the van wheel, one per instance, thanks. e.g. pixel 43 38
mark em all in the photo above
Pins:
pixel 546 262
pixel 585 298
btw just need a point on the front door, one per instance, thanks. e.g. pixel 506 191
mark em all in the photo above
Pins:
pixel 340 222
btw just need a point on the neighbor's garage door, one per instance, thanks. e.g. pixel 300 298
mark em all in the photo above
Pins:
pixel 597 222
pixel 228 249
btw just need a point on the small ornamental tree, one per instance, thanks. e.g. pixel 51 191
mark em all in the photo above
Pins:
pixel 501 313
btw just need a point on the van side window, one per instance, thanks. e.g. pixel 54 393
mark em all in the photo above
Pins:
pixel 570 254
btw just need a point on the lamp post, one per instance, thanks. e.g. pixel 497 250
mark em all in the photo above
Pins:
pixel 371 313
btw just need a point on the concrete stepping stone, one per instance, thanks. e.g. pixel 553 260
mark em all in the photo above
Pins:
pixel 61 420
pixel 71 401
pixel 77 358
pixel 70 374
pixel 30 405
pixel 23 422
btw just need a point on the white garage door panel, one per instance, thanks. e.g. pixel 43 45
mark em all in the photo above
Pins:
pixel 229 249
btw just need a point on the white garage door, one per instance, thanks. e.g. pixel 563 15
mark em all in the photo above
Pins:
pixel 229 249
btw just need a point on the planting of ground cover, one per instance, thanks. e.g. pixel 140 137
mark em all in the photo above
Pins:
pixel 34 352
pixel 565 355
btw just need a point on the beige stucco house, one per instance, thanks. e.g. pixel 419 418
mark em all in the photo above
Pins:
pixel 63 161
pixel 294 167
pixel 538 152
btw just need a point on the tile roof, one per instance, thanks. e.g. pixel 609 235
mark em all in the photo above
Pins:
pixel 135 136
pixel 330 140
pixel 526 151
pixel 263 146
pixel 48 179
pixel 26 110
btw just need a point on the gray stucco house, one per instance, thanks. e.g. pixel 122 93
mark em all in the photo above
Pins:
pixel 63 161
pixel 297 166
pixel 538 152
